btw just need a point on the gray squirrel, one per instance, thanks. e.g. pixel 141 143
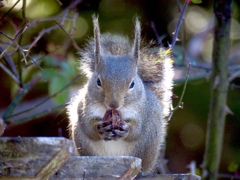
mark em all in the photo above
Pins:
pixel 129 84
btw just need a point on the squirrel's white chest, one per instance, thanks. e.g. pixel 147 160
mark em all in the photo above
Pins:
pixel 112 148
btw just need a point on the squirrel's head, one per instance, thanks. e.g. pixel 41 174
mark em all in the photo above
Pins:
pixel 115 82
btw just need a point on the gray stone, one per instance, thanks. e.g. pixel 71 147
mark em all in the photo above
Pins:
pixel 100 167
pixel 33 158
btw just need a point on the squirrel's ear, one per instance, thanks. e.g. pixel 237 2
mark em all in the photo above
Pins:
pixel 97 46
pixel 137 40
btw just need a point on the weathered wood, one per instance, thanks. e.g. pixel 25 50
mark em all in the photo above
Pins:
pixel 100 167
pixel 168 177
pixel 33 158
pixel 41 157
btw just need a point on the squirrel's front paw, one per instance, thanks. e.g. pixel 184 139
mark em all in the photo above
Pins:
pixel 112 127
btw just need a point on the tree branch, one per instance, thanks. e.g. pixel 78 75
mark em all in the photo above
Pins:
pixel 219 89
pixel 37 115
pixel 23 91
pixel 180 103
pixel 7 116
pixel 179 24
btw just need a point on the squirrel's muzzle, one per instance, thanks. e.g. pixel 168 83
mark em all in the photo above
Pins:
pixel 114 101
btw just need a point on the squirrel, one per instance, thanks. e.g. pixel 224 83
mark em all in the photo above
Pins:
pixel 129 82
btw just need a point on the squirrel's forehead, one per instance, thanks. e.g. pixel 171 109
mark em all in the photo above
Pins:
pixel 117 67
pixel 117 62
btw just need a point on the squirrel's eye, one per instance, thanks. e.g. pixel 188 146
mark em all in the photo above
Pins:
pixel 99 82
pixel 132 85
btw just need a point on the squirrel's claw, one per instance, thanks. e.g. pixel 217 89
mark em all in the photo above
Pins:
pixel 104 127
pixel 108 132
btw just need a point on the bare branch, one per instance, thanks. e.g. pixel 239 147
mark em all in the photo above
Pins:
pixel 13 40
pixel 20 96
pixel 24 10
pixel 44 31
pixel 44 100
pixel 63 16
pixel 6 14
pixel 8 60
pixel 217 106
pixel 180 103
pixel 233 76
pixel 38 115
pixel 179 24
pixel 9 73
pixel 72 29
pixel 24 53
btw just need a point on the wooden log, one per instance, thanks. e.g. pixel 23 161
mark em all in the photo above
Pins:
pixel 100 167
pixel 48 158
pixel 33 158
pixel 168 177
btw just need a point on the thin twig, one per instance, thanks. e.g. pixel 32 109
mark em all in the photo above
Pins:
pixel 44 31
pixel 179 24
pixel 20 96
pixel 183 35
pixel 7 36
pixel 13 40
pixel 70 37
pixel 208 68
pixel 9 73
pixel 24 10
pixel 21 51
pixel 6 14
pixel 180 103
pixel 233 76
pixel 70 33
pixel 45 99
pixel 155 31
pixel 192 78
pixel 179 6
pixel 63 15
pixel 25 88
pixel 9 62
pixel 38 115
pixel 34 62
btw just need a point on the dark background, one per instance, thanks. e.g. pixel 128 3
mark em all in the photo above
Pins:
pixel 187 128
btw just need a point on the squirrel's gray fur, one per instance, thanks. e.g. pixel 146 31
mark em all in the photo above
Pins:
pixel 112 64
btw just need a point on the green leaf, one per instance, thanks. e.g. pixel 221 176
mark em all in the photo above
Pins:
pixel 197 1
pixel 50 62
pixel 233 167
pixel 50 73
pixel 68 69
pixel 56 84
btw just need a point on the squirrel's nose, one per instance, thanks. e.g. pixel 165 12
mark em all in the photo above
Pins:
pixel 113 105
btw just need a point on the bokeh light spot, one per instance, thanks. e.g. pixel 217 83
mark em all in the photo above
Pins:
pixel 41 8
pixel 235 30
pixel 81 27
pixel 197 20
pixel 192 135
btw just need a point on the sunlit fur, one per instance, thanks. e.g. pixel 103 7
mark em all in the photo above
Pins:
pixel 117 61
